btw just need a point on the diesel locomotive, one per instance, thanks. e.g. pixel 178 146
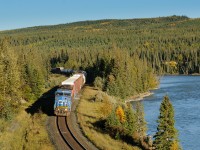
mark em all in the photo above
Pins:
pixel 67 92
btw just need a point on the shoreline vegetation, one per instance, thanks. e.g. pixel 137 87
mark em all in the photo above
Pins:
pixel 193 74
pixel 140 96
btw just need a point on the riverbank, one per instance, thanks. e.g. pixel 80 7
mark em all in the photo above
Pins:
pixel 193 74
pixel 139 97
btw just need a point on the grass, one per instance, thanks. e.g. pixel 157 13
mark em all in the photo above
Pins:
pixel 89 113
pixel 25 132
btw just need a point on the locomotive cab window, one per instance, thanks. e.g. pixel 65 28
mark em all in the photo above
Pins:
pixel 67 94
pixel 59 94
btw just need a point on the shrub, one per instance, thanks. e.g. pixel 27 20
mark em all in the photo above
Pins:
pixel 98 83
pixel 106 108
pixel 99 97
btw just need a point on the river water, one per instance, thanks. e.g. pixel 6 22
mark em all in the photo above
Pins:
pixel 184 93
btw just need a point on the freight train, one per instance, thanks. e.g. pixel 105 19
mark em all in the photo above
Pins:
pixel 66 93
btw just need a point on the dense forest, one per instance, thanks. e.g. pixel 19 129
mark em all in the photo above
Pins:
pixel 120 56
pixel 169 44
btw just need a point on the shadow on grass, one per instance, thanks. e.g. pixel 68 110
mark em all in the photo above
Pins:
pixel 44 104
pixel 115 133
pixel 99 124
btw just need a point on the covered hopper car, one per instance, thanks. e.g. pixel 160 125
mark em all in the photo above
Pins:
pixel 66 93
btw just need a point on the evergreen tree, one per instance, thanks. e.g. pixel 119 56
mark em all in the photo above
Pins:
pixel 98 83
pixel 166 137
pixel 141 125
pixel 131 120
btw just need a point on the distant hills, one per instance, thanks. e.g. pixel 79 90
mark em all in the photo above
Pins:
pixel 106 23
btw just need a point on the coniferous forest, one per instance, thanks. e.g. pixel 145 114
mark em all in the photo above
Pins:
pixel 122 57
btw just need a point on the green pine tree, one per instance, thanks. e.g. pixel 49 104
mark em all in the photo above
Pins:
pixel 167 135
pixel 141 124
pixel 131 120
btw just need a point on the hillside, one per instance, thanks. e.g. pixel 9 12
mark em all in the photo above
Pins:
pixel 161 41
pixel 103 24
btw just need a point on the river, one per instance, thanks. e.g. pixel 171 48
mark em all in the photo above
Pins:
pixel 184 93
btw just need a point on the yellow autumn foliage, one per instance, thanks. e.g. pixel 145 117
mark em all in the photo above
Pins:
pixel 175 146
pixel 120 114
pixel 171 63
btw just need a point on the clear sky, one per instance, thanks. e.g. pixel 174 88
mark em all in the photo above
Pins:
pixel 26 13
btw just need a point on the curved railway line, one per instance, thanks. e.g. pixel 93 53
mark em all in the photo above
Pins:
pixel 67 135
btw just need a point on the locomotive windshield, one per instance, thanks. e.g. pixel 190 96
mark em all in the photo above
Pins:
pixel 59 94
pixel 62 94
pixel 67 94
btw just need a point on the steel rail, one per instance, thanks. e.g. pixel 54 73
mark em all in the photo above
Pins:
pixel 66 134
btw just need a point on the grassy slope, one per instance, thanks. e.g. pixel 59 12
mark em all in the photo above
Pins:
pixel 89 113
pixel 25 132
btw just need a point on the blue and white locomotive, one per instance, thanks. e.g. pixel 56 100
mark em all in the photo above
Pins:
pixel 66 93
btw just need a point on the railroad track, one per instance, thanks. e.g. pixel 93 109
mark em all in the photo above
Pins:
pixel 68 137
